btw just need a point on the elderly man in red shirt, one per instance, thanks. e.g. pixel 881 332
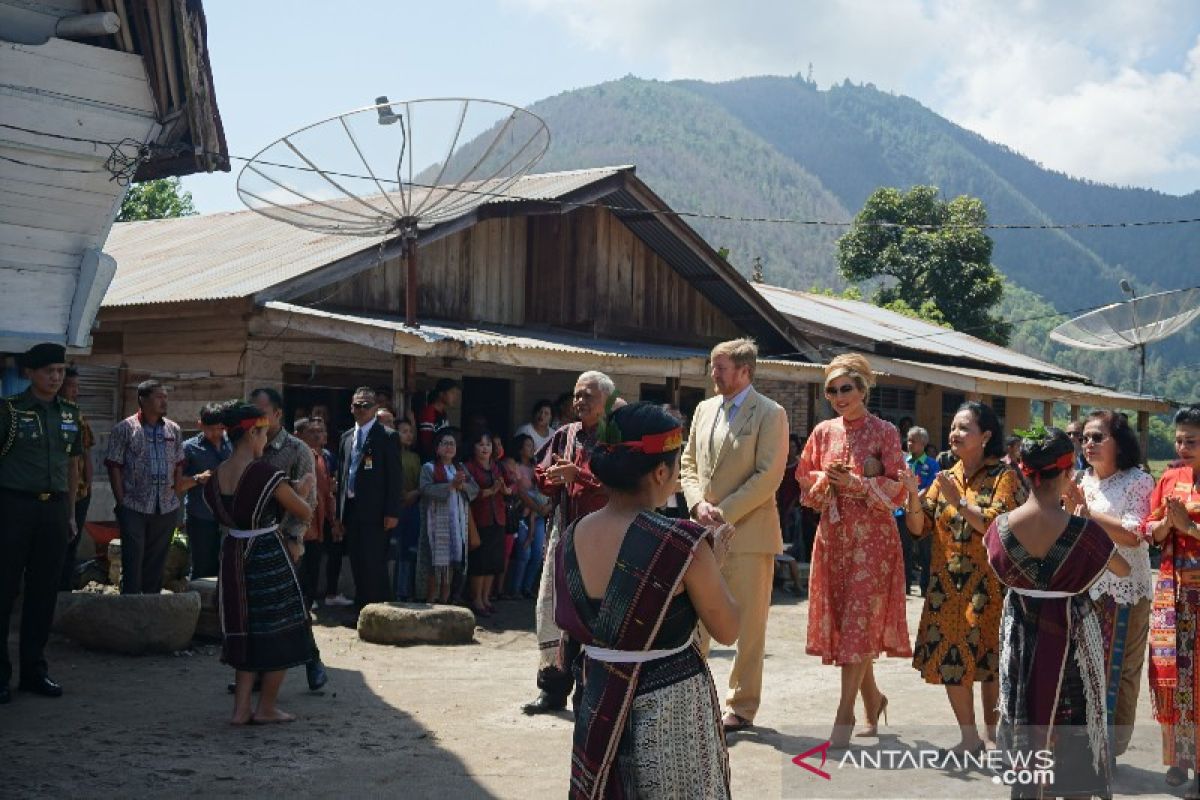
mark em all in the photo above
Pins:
pixel 563 475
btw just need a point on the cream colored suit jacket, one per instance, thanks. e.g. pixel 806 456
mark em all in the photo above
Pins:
pixel 741 473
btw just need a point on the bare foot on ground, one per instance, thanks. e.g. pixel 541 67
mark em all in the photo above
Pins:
pixel 272 717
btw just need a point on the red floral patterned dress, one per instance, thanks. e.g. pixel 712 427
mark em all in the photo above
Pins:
pixel 856 585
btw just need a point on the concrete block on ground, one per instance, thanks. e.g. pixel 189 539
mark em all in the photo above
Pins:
pixel 130 624
pixel 416 623
pixel 209 624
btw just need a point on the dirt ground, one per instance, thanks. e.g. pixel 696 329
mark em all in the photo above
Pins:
pixel 441 722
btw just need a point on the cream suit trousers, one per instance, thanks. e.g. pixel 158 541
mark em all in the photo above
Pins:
pixel 750 577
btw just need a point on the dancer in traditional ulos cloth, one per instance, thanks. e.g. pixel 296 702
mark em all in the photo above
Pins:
pixel 1174 524
pixel 264 624
pixel 1052 657
pixel 630 587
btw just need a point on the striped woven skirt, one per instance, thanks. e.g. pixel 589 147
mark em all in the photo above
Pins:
pixel 270 631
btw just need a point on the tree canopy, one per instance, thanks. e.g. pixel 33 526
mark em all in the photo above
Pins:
pixel 935 252
pixel 158 199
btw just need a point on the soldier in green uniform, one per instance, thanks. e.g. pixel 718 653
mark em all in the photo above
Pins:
pixel 39 434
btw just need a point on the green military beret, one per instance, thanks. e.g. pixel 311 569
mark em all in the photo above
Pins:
pixel 42 355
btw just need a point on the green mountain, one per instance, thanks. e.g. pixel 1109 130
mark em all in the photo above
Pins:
pixel 781 147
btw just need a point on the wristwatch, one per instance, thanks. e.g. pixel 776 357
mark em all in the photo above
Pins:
pixel 962 502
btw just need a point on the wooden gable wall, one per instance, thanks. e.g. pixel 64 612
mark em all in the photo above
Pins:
pixel 582 271
pixel 589 272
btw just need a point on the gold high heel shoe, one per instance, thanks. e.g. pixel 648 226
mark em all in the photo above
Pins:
pixel 873 724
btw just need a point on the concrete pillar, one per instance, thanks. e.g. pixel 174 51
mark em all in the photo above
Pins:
pixel 1047 413
pixel 1019 413
pixel 1075 410
pixel 929 411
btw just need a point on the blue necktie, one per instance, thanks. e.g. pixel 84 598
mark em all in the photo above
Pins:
pixel 355 460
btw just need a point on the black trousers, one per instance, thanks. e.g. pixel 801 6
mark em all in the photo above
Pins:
pixel 334 553
pixel 367 543
pixel 204 539
pixel 33 542
pixel 309 570
pixel 68 569
pixel 145 540
pixel 908 548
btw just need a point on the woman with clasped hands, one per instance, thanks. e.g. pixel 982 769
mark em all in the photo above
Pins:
pixel 856 583
pixel 1173 525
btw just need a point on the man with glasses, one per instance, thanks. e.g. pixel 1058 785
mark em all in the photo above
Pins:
pixel 370 497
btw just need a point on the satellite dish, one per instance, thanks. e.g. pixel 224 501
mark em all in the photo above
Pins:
pixel 1131 324
pixel 392 169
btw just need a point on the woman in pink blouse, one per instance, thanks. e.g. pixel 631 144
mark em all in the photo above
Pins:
pixel 856 583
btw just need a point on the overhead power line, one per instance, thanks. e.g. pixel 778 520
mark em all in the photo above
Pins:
pixel 121 164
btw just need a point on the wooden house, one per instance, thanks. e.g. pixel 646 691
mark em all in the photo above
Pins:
pixel 570 271
pixel 95 93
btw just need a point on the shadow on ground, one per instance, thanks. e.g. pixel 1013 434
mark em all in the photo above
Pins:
pixel 157 726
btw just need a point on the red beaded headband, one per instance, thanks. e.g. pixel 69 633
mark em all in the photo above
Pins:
pixel 653 443
pixel 1065 461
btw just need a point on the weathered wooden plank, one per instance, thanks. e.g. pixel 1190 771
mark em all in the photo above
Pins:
pixel 21 191
pixel 51 215
pixel 86 56
pixel 50 241
pixel 47 114
pixel 233 325
pixel 78 71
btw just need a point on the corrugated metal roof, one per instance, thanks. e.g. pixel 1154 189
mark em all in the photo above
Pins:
pixel 1046 388
pixel 882 326
pixel 238 254
pixel 435 332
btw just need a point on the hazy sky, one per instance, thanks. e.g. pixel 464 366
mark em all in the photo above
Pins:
pixel 1103 90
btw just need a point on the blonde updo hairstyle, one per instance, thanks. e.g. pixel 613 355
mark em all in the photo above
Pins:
pixel 855 367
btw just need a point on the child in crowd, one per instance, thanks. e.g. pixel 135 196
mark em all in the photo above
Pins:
pixel 408 532
pixel 526 568
pixel 446 491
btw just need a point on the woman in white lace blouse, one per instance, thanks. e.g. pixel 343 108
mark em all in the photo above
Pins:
pixel 1115 493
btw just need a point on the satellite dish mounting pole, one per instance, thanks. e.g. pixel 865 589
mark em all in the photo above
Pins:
pixel 409 234
pixel 1128 289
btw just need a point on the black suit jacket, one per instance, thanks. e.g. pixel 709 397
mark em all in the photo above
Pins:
pixel 378 485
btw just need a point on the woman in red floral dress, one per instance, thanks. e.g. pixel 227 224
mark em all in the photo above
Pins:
pixel 856 584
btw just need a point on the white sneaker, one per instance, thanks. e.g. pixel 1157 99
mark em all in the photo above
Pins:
pixel 338 600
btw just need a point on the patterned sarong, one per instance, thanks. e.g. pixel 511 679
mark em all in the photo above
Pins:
pixel 654 556
pixel 264 623
pixel 1052 661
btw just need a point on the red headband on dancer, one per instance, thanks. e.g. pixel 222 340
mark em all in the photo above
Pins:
pixel 1065 461
pixel 253 422
pixel 652 443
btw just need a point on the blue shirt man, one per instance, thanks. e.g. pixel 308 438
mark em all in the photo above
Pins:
pixel 916 555
pixel 202 454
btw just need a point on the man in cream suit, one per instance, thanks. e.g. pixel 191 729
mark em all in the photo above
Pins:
pixel 732 466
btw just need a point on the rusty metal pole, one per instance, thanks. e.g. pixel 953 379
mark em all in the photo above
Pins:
pixel 410 281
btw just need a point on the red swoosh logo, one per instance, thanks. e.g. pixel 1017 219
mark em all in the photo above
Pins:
pixel 823 749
